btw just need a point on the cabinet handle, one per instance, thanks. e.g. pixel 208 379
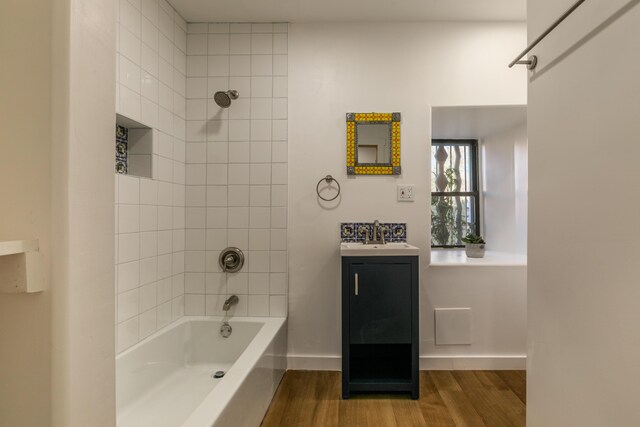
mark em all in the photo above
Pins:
pixel 356 283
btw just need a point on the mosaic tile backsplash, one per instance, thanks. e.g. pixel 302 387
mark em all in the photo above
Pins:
pixel 122 148
pixel 351 232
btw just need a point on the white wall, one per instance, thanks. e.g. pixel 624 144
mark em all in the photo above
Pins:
pixel 583 271
pixel 150 214
pixel 340 68
pixel 237 167
pixel 25 117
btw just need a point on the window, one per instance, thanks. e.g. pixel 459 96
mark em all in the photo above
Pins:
pixel 455 207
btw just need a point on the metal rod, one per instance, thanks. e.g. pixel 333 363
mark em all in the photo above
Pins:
pixel 544 34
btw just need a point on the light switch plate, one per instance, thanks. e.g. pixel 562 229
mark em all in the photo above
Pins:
pixel 453 326
pixel 406 192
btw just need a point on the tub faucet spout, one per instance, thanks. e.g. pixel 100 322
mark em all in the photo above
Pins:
pixel 232 300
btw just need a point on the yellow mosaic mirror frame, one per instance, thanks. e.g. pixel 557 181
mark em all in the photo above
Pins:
pixel 360 119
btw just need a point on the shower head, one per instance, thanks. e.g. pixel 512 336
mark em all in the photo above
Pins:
pixel 223 99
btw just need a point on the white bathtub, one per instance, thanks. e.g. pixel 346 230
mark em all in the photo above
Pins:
pixel 166 379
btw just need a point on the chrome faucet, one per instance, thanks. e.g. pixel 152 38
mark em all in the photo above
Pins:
pixel 378 234
pixel 232 300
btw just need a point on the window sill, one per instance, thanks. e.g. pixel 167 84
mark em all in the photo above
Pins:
pixel 457 257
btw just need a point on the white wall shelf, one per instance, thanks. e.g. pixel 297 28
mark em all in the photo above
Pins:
pixel 20 267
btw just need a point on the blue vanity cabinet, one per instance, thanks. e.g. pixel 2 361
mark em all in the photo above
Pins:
pixel 380 324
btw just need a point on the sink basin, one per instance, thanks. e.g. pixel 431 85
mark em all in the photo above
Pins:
pixel 389 249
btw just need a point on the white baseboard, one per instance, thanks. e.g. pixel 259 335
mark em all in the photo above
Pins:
pixel 427 363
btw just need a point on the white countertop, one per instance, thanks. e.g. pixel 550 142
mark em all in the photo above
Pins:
pixel 457 257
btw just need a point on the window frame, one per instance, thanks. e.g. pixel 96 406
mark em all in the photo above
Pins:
pixel 475 166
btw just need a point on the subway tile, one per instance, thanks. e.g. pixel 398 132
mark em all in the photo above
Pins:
pixel 164 314
pixel 129 103
pixel 261 65
pixel 197 28
pixel 217 152
pixel 216 174
pixel 239 174
pixel 129 45
pixel 128 247
pixel 239 152
pixel 238 283
pixel 148 218
pixel 238 195
pixel 259 217
pixel 278 283
pixel 164 266
pixel 260 152
pixel 260 195
pixel 150 10
pixel 258 283
pixel 194 283
pixel 148 244
pixel 279 152
pixel 262 28
pixel 280 109
pixel 150 35
pixel 195 217
pixel 279 195
pixel 218 44
pixel 261 44
pixel 238 238
pixel 148 270
pixel 128 276
pixel 218 66
pixel 279 239
pixel 280 87
pixel 219 28
pixel 165 96
pixel 259 261
pixel 147 323
pixel 259 239
pixel 149 60
pixel 216 217
pixel 129 73
pixel 280 43
pixel 238 217
pixel 260 174
pixel 258 305
pixel 278 306
pixel 196 152
pixel 127 333
pixel 130 17
pixel 128 304
pixel 196 66
pixel 279 173
pixel 147 297
pixel 261 109
pixel 240 28
pixel 196 44
pixel 216 239
pixel 165 48
pixel 165 24
pixel 240 65
pixel 280 65
pixel 194 305
pixel 149 112
pixel 128 218
pixel 149 86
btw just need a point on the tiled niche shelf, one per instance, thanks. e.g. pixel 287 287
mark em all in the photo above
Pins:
pixel 133 148
pixel 20 267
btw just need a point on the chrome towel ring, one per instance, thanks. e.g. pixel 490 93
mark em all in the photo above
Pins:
pixel 328 179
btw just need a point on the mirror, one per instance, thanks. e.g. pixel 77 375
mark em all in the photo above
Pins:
pixel 373 143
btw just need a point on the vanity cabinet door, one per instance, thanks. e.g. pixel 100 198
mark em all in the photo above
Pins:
pixel 380 303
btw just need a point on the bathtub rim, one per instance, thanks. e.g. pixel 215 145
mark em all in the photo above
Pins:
pixel 215 402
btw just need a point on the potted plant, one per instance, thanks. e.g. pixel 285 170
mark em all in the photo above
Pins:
pixel 474 245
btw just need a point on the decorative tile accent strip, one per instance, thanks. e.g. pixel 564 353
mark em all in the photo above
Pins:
pixel 352 232
pixel 122 147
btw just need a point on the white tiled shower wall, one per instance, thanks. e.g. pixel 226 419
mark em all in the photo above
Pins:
pixel 150 213
pixel 236 167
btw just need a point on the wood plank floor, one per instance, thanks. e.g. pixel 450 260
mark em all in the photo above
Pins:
pixel 447 398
